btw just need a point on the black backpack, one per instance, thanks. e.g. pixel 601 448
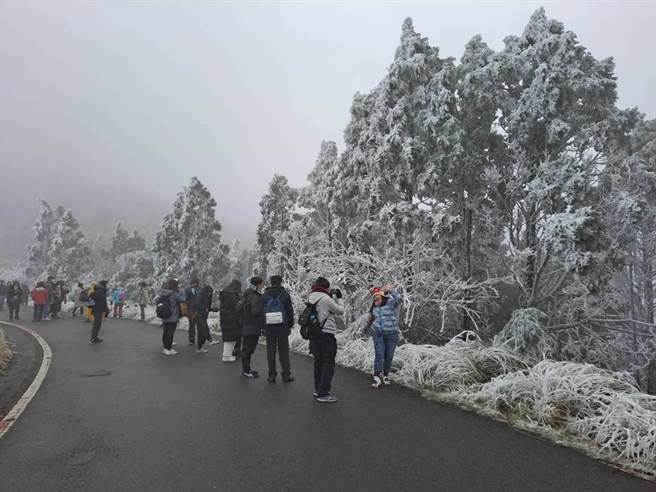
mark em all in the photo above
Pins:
pixel 163 307
pixel 309 321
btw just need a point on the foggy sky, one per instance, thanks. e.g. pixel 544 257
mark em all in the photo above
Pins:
pixel 109 108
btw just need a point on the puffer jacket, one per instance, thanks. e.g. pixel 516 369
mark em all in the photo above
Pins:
pixel 253 314
pixel 327 309
pixel 386 316
pixel 175 298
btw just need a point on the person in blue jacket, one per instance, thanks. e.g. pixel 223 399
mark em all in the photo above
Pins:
pixel 384 320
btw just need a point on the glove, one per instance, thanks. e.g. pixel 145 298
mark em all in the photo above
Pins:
pixel 338 293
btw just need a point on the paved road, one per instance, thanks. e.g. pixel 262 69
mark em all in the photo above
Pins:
pixel 122 417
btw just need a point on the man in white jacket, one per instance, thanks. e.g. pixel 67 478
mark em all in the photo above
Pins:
pixel 328 304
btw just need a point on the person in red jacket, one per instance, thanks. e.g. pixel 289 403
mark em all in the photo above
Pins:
pixel 40 298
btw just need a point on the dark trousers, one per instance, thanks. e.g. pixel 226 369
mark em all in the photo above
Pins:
pixel 167 335
pixel 324 350
pixel 281 343
pixel 97 321
pixel 38 312
pixel 14 309
pixel 248 346
pixel 142 308
pixel 203 331
pixel 192 329
pixel 237 350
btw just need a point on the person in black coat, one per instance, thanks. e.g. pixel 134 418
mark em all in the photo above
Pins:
pixel 99 308
pixel 14 300
pixel 203 307
pixel 230 317
pixel 252 324
pixel 279 319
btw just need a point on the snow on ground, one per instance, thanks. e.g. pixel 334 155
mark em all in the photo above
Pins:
pixel 5 353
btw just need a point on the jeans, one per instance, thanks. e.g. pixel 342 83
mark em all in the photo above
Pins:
pixel 38 312
pixel 167 335
pixel 324 350
pixel 280 342
pixel 46 309
pixel 97 321
pixel 249 344
pixel 142 308
pixel 384 347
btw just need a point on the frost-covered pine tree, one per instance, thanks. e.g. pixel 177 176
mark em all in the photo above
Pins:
pixel 556 106
pixel 69 254
pixel 124 242
pixel 37 252
pixel 189 241
pixel 277 207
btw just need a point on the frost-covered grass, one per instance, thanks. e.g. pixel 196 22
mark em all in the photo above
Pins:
pixel 5 353
pixel 601 407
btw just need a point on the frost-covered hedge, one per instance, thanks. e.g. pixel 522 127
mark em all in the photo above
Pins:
pixel 5 353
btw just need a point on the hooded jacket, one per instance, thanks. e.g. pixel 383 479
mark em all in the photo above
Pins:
pixel 253 314
pixel 230 318
pixel 327 309
pixel 175 298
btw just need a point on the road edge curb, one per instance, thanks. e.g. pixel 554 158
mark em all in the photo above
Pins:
pixel 12 416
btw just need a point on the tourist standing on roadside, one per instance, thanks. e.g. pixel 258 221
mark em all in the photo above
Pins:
pixel 230 316
pixel 384 318
pixel 144 298
pixel 190 295
pixel 40 300
pixel 203 306
pixel 119 296
pixel 14 300
pixel 279 319
pixel 324 347
pixel 252 324
pixel 168 310
pixel 78 295
pixel 99 308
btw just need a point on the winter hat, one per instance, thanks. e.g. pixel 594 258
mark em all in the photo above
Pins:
pixel 103 283
pixel 322 282
pixel 255 281
pixel 276 280
pixel 377 291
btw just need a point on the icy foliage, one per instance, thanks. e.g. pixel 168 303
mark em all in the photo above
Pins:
pixel 189 242
pixel 5 353
pixel 602 406
pixel 59 248
pixel 525 334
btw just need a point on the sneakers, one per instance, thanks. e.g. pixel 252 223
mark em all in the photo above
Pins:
pixel 377 382
pixel 271 379
pixel 228 358
pixel 192 342
pixel 250 374
pixel 287 379
pixel 315 394
pixel 96 340
pixel 327 399
pixel 215 342
pixel 386 380
pixel 202 351
pixel 169 352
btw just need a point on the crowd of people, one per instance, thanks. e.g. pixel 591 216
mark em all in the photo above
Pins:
pixel 244 317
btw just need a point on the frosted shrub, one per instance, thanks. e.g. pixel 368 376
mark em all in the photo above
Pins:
pixel 525 334
pixel 5 353
pixel 600 405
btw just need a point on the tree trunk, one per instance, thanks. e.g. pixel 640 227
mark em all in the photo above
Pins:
pixel 651 377
pixel 531 243
pixel 468 225
pixel 648 286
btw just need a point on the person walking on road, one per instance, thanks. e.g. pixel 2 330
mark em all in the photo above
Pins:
pixel 252 324
pixel 384 318
pixel 78 299
pixel 190 294
pixel 279 319
pixel 144 298
pixel 99 308
pixel 324 347
pixel 3 294
pixel 52 297
pixel 14 300
pixel 168 310
pixel 119 296
pixel 26 291
pixel 230 317
pixel 203 305
pixel 40 300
